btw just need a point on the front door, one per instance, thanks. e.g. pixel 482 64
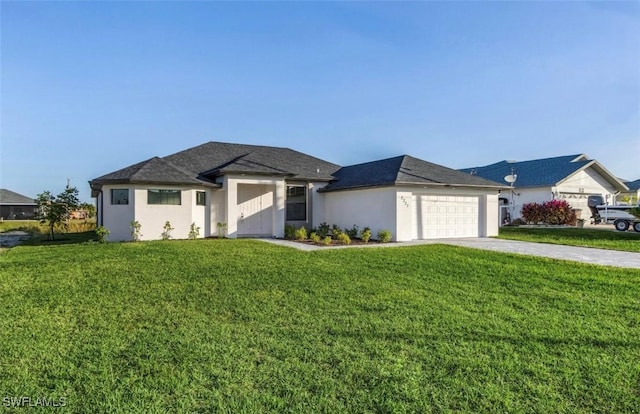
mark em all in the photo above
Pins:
pixel 255 210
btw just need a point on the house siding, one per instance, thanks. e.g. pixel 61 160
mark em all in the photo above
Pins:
pixel 117 217
pixel 374 208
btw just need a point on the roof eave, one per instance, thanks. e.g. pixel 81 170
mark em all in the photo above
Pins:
pixel 452 185
pixel 414 184
pixel 97 184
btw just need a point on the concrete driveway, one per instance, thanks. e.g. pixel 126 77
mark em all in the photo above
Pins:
pixel 552 251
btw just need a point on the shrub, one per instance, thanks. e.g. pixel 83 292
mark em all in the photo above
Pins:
pixel 166 234
pixel 550 212
pixel 344 238
pixel 289 231
pixel 532 213
pixel 314 237
pixel 335 230
pixel 366 234
pixel 635 211
pixel 326 240
pixel 352 232
pixel 194 231
pixel 102 233
pixel 323 230
pixel 384 236
pixel 135 230
pixel 222 229
pixel 518 222
pixel 300 234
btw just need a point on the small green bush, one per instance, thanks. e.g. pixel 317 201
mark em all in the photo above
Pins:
pixel 635 211
pixel 194 231
pixel 314 237
pixel 300 234
pixel 166 234
pixel 326 240
pixel 384 236
pixel 102 233
pixel 344 238
pixel 335 230
pixel 289 231
pixel 323 230
pixel 365 235
pixel 222 229
pixel 352 232
pixel 135 230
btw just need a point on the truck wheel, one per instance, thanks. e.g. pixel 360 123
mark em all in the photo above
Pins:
pixel 636 226
pixel 621 225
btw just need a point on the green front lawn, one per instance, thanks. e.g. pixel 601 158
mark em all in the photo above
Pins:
pixel 245 326
pixel 603 239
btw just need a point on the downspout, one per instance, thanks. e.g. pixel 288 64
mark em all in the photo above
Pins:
pixel 101 207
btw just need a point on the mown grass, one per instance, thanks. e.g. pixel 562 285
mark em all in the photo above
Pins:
pixel 245 326
pixel 602 239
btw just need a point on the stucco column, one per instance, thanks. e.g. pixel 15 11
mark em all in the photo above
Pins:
pixel 231 207
pixel 404 219
pixel 279 211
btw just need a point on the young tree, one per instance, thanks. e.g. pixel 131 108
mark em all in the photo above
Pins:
pixel 55 211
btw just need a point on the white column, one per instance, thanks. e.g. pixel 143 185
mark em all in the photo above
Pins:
pixel 279 209
pixel 231 204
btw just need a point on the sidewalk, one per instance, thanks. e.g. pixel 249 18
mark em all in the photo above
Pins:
pixel 552 251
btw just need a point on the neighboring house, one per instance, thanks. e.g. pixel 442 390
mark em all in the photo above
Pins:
pixel 14 206
pixel 572 178
pixel 633 193
pixel 256 190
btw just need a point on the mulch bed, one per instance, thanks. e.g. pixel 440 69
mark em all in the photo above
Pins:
pixel 354 242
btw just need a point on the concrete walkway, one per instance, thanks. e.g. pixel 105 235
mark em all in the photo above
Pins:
pixel 553 251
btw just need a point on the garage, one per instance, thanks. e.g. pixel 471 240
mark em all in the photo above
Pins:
pixel 442 216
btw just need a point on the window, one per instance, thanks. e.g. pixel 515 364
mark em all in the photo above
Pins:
pixel 201 198
pixel 120 196
pixel 172 197
pixel 296 203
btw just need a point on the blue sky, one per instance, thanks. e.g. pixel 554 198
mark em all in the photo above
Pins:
pixel 91 87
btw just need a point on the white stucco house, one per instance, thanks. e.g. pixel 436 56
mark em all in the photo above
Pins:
pixel 256 190
pixel 571 177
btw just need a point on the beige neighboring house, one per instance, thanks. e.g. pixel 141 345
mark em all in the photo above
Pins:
pixel 255 190
pixel 571 177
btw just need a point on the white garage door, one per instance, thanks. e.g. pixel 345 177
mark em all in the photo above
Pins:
pixel 444 216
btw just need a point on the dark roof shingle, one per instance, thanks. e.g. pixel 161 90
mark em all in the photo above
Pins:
pixel 11 197
pixel 201 164
pixel 402 170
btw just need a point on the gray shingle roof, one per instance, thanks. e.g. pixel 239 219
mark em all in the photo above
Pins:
pixel 201 164
pixel 215 158
pixel 403 170
pixel 11 197
pixel 153 170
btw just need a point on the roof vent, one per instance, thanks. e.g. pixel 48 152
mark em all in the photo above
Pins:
pixel 511 161
pixel 317 170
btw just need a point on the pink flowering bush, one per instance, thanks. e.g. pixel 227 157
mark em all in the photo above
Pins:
pixel 550 212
